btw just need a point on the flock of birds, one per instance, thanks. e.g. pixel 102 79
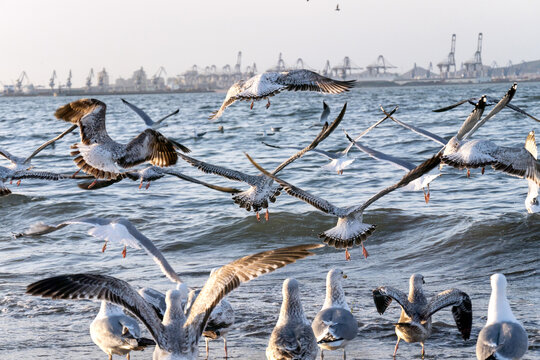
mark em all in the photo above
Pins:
pixel 177 320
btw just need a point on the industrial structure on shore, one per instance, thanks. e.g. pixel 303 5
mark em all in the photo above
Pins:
pixel 211 78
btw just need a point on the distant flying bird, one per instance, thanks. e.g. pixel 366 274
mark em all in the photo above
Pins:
pixel 177 335
pixel 325 112
pixel 337 7
pixel 414 324
pixel 150 124
pixel 99 155
pixel 268 84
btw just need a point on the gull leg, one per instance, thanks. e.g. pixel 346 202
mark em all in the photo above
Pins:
pixel 426 194
pixel 140 185
pixel 364 251
pixel 92 184
pixel 10 181
pixel 395 349
pixel 344 354
pixel 147 185
pixel 483 169
pixel 347 255
pixel 110 356
pixel 206 341
pixel 423 350
pixel 322 354
pixel 225 347
pixel 124 252
pixel 341 172
pixel 258 217
pixel 251 107
pixel 75 173
pixel 468 173
pixel 268 104
pixel 267 215
pixel 127 356
pixel 104 246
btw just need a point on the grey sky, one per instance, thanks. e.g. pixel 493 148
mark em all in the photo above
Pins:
pixel 39 36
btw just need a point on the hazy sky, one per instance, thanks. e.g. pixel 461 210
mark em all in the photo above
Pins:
pixel 39 36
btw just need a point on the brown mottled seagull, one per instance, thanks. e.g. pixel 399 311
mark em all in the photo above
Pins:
pixel 268 84
pixel 99 155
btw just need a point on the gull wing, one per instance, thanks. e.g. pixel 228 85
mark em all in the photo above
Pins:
pixel 402 164
pixel 461 309
pixel 383 296
pixel 417 130
pixel 308 80
pixel 12 158
pixel 102 287
pixel 519 110
pixel 149 146
pixel 47 143
pixel 323 134
pixel 143 115
pixel 44 175
pixel 229 277
pixel 41 228
pixel 89 115
pixel 315 201
pixel 178 174
pixel 230 98
pixel 317 151
pixel 449 107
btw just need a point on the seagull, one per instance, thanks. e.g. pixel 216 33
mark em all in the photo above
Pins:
pixel 119 230
pixel 419 184
pixel 337 7
pixel 198 135
pixel 490 101
pixel 292 337
pixel 97 154
pixel 262 189
pixel 350 229
pixel 178 334
pixel 150 124
pixel 414 324
pixel 340 160
pixel 325 112
pixel 116 333
pixel 267 84
pixel 503 337
pixel 152 173
pixel 334 326
pixel 8 174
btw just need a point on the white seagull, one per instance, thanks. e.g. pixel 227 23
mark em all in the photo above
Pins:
pixel 177 335
pixel 292 337
pixel 8 174
pixel 268 84
pixel 350 229
pixel 150 124
pixel 116 333
pixel 334 326
pixel 99 155
pixel 414 324
pixel 338 161
pixel 419 184
pixel 503 337
pixel 262 189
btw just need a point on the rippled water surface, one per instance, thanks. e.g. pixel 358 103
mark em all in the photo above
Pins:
pixel 471 228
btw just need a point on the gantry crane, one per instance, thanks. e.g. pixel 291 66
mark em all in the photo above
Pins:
pixel 89 78
pixel 52 79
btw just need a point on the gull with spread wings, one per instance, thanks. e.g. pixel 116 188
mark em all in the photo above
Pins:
pixel 177 335
pixel 268 84
pixel 99 155
pixel 262 189
pixel 150 124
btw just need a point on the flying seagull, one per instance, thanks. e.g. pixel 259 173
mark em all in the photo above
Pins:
pixel 339 161
pixel 99 155
pixel 334 326
pixel 178 334
pixel 150 124
pixel 262 189
pixel 414 324
pixel 268 84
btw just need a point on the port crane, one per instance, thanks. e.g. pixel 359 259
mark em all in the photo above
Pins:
pixel 52 79
pixel 19 81
pixel 450 62
pixel 157 76
pixel 89 78
pixel 68 81
pixel 475 64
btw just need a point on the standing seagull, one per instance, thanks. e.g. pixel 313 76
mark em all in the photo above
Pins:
pixel 262 189
pixel 150 124
pixel 334 326
pixel 99 155
pixel 268 84
pixel 177 335
pixel 117 333
pixel 340 160
pixel 292 337
pixel 414 324
pixel 503 337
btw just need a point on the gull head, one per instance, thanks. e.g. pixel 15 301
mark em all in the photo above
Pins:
pixel 498 282
pixel 416 281
pixel 290 288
